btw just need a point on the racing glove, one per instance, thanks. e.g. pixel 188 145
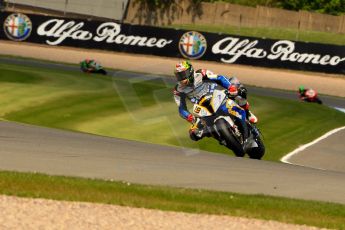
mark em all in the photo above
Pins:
pixel 232 90
pixel 190 118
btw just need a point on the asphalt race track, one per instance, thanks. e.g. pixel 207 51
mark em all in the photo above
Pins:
pixel 327 154
pixel 29 148
pixel 36 149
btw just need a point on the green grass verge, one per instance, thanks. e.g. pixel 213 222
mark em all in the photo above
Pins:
pixel 272 33
pixel 320 214
pixel 115 106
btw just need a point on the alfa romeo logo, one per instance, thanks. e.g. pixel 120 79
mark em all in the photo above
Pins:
pixel 17 27
pixel 192 45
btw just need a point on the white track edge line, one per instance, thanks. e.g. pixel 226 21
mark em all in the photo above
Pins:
pixel 286 158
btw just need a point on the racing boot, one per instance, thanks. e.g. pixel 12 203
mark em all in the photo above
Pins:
pixel 196 131
pixel 251 117
pixel 196 134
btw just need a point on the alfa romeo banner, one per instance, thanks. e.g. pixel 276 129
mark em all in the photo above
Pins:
pixel 227 49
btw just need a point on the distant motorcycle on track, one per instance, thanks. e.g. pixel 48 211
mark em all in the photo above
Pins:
pixel 308 95
pixel 90 66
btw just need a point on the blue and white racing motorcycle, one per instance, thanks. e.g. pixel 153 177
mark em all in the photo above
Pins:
pixel 226 121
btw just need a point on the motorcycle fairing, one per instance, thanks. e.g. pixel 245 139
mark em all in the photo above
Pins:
pixel 209 104
pixel 235 110
pixel 310 93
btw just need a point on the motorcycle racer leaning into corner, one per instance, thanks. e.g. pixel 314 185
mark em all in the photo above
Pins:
pixel 87 65
pixel 190 85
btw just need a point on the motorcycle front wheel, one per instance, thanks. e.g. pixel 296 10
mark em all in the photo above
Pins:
pixel 226 134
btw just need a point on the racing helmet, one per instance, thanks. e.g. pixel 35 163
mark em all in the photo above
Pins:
pixel 301 88
pixel 184 70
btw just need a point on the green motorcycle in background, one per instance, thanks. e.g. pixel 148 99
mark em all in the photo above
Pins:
pixel 90 66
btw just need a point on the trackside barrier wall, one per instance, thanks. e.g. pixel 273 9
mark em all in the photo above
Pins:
pixel 112 9
pixel 227 49
pixel 179 12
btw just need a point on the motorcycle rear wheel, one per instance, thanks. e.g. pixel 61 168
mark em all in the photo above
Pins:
pixel 102 71
pixel 229 137
pixel 257 152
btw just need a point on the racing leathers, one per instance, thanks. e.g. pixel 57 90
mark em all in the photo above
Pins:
pixel 88 65
pixel 204 81
pixel 302 94
pixel 241 98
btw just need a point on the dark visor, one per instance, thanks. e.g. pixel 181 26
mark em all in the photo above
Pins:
pixel 183 75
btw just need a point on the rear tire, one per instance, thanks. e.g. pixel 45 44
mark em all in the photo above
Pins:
pixel 318 101
pixel 257 152
pixel 102 71
pixel 227 135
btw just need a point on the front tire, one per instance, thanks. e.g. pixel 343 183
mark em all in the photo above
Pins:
pixel 227 135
